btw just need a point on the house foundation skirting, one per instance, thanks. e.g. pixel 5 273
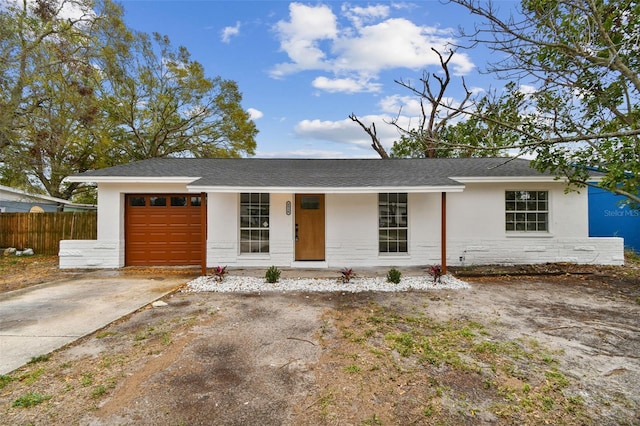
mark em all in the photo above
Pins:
pixel 604 251
pixel 519 251
pixel 96 254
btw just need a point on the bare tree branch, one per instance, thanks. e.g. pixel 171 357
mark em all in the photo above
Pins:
pixel 433 116
pixel 371 131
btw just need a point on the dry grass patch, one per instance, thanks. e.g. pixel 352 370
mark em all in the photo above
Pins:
pixel 391 366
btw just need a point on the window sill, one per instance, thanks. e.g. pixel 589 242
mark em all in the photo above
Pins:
pixel 256 255
pixel 396 255
pixel 529 235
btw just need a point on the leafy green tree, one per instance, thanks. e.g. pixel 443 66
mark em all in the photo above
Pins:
pixel 479 134
pixel 51 90
pixel 83 92
pixel 57 140
pixel 27 28
pixel 581 61
pixel 161 104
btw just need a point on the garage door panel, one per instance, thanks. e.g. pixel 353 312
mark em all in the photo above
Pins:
pixel 163 235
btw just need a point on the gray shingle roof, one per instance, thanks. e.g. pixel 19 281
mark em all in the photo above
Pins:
pixel 319 173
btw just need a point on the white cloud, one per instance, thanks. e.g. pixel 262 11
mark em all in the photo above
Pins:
pixel 367 43
pixel 360 15
pixel 389 44
pixel 348 132
pixel 394 104
pixel 300 37
pixel 526 89
pixel 345 85
pixel 229 32
pixel 255 114
pixel 342 131
pixel 477 90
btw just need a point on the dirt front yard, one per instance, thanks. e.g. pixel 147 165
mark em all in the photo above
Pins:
pixel 559 349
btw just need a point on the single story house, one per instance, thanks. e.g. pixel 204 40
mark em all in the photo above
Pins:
pixel 322 213
pixel 17 201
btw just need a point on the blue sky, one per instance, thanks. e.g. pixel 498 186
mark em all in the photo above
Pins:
pixel 303 67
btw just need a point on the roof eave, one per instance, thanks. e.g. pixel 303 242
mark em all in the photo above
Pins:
pixel 506 179
pixel 325 190
pixel 34 197
pixel 132 179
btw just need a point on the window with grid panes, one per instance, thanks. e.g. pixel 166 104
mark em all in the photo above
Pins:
pixel 392 222
pixel 527 211
pixel 254 223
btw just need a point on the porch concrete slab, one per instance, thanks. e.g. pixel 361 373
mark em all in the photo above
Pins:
pixel 39 319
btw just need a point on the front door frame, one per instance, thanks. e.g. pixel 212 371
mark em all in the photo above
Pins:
pixel 310 244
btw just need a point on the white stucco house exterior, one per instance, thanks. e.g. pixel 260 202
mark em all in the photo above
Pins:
pixel 322 213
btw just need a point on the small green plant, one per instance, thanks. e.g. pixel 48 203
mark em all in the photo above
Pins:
pixel 347 275
pixel 393 276
pixel 219 272
pixel 352 369
pixel 272 275
pixel 324 402
pixel 373 420
pixel 5 380
pixel 165 338
pixel 30 400
pixel 403 343
pixel 32 377
pixel 98 391
pixel 86 379
pixel 104 333
pixel 140 335
pixel 39 358
pixel 428 411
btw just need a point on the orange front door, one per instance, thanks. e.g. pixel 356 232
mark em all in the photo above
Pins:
pixel 309 227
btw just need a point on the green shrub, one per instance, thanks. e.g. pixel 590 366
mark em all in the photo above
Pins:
pixel 272 275
pixel 393 276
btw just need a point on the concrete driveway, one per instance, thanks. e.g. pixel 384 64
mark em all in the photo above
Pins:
pixel 39 319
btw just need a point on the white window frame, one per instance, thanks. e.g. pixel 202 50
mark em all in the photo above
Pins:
pixel 254 222
pixel 393 223
pixel 527 211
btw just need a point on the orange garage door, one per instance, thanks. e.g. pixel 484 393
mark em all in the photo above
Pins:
pixel 163 229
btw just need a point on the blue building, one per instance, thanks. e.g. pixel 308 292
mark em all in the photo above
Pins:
pixel 609 218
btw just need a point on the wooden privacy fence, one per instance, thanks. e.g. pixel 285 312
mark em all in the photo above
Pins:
pixel 43 231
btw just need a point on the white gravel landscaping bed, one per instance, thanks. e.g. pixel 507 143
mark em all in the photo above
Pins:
pixel 258 285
